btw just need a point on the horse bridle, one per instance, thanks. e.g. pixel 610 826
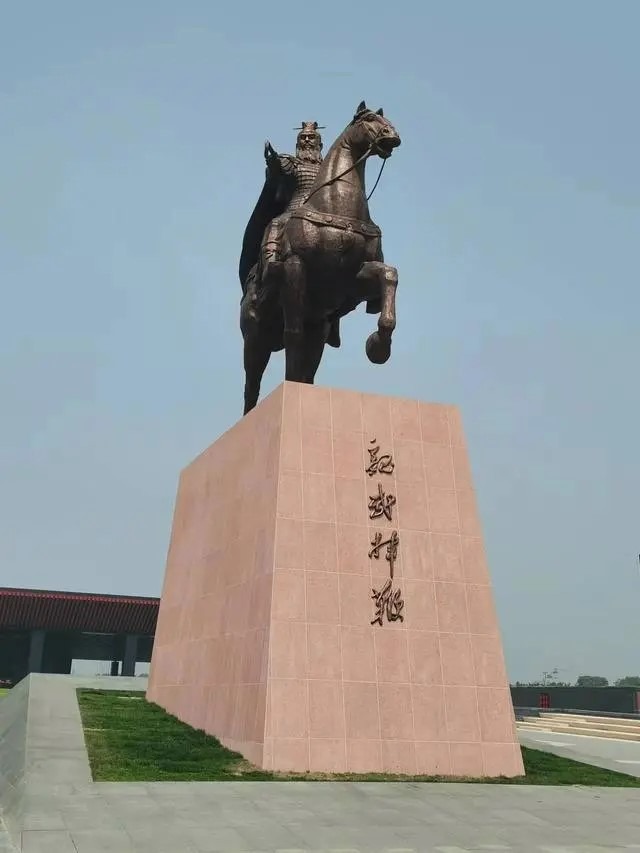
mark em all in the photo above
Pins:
pixel 360 159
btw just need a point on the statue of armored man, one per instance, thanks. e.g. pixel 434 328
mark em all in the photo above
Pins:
pixel 288 182
pixel 311 253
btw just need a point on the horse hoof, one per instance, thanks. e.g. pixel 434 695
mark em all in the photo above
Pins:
pixel 378 348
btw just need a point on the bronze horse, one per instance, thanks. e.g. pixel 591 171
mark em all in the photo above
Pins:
pixel 332 261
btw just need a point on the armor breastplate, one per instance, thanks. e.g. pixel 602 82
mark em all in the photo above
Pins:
pixel 305 175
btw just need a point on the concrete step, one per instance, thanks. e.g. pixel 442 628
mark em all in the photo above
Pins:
pixel 604 723
pixel 605 727
pixel 565 719
pixel 586 718
pixel 618 721
pixel 559 728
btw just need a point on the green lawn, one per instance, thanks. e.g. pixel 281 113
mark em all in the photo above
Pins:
pixel 3 690
pixel 130 739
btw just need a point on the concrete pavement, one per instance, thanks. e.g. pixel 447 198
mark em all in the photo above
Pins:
pixel 623 756
pixel 247 817
pixel 63 811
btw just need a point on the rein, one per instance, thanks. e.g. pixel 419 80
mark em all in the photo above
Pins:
pixel 377 179
pixel 360 159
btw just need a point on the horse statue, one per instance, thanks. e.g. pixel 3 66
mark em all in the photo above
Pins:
pixel 330 262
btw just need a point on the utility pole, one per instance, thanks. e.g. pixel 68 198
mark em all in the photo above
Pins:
pixel 548 676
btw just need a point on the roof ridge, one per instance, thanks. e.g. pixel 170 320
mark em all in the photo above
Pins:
pixel 87 596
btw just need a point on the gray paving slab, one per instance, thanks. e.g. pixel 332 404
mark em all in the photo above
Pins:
pixel 102 841
pixel 47 841
pixel 623 756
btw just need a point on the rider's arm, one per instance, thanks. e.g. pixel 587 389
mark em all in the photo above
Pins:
pixel 272 159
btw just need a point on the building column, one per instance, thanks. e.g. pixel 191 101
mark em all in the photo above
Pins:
pixel 115 666
pixel 36 650
pixel 130 654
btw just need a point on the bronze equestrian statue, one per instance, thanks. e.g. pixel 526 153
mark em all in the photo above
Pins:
pixel 312 254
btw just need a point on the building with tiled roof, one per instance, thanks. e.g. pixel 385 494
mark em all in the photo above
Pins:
pixel 45 630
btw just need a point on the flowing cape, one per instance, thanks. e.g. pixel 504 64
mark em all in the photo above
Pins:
pixel 273 201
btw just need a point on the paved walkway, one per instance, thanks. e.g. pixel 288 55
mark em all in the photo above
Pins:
pixel 307 816
pixel 623 756
pixel 65 812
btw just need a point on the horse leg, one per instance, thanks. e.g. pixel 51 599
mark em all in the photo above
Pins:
pixel 257 352
pixel 257 344
pixel 315 337
pixel 293 294
pixel 378 345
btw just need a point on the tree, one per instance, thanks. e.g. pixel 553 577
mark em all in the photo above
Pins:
pixel 629 681
pixel 592 681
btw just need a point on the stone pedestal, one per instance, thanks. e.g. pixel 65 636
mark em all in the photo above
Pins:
pixel 326 604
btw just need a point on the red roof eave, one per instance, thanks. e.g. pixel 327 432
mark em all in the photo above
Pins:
pixel 55 610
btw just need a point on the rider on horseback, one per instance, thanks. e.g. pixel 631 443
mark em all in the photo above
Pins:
pixel 289 179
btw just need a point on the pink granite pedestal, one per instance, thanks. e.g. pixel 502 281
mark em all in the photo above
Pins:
pixel 265 636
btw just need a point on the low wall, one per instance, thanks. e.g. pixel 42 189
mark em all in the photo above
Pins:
pixel 13 739
pixel 622 700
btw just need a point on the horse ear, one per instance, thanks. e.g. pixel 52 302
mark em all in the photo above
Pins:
pixel 361 106
pixel 379 112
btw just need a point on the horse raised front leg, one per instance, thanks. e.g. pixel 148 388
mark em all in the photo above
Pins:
pixel 378 345
pixel 293 296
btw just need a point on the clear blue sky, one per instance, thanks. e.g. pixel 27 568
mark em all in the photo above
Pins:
pixel 130 158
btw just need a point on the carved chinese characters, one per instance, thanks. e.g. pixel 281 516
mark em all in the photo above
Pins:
pixel 379 464
pixel 381 504
pixel 387 600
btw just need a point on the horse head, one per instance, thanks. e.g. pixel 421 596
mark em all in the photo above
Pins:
pixel 371 130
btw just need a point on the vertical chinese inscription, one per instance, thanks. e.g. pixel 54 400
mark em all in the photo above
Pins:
pixel 387 600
